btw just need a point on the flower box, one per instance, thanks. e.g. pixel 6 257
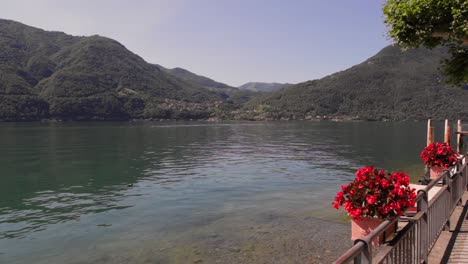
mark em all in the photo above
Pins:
pixel 374 196
pixel 438 156
pixel 435 172
pixel 363 227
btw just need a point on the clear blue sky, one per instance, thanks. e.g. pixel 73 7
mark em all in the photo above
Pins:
pixel 231 41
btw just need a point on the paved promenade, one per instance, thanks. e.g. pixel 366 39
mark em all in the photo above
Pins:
pixel 452 245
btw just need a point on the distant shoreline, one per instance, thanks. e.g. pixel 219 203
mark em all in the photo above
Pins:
pixel 214 119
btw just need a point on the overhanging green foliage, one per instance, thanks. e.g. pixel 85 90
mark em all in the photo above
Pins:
pixel 431 23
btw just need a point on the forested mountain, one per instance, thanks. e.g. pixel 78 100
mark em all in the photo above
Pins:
pixel 194 78
pixel 263 86
pixel 235 97
pixel 54 75
pixel 393 84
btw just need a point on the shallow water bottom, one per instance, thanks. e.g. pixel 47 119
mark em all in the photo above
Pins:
pixel 233 192
pixel 270 238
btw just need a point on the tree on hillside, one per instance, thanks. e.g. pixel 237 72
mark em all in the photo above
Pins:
pixel 431 23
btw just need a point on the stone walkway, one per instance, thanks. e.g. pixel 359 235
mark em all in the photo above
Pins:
pixel 459 251
pixel 452 245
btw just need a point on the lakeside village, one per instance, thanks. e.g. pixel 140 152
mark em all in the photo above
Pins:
pixel 395 221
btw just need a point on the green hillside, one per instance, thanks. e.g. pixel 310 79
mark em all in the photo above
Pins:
pixel 234 97
pixel 54 75
pixel 194 78
pixel 393 84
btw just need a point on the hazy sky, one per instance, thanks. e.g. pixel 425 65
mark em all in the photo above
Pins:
pixel 231 41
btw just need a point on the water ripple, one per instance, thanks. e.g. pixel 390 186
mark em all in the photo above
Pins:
pixel 53 207
pixel 61 178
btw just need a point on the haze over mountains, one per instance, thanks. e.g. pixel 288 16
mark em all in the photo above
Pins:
pixel 54 75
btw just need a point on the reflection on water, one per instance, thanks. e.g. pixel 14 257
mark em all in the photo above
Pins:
pixel 100 188
pixel 53 207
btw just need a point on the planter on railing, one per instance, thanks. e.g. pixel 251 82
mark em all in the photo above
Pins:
pixel 416 238
pixel 363 227
pixel 438 156
pixel 435 172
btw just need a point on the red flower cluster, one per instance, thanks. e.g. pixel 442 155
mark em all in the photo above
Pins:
pixel 375 193
pixel 439 154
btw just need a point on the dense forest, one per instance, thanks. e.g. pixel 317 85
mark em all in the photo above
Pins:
pixel 52 75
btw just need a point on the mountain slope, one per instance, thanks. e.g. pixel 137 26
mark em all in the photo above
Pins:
pixel 51 74
pixel 194 78
pixel 393 84
pixel 263 87
pixel 235 97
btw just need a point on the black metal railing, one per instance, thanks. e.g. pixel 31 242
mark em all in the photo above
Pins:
pixel 418 233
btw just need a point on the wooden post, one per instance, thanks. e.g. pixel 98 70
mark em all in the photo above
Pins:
pixel 447 132
pixel 459 135
pixel 430 132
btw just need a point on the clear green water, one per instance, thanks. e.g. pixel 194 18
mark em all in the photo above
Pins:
pixel 88 192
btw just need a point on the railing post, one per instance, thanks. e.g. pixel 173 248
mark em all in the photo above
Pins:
pixel 423 205
pixel 452 194
pixel 365 257
pixel 462 175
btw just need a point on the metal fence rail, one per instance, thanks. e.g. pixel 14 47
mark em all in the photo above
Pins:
pixel 419 233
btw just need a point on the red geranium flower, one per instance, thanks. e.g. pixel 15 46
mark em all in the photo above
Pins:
pixel 375 193
pixel 439 154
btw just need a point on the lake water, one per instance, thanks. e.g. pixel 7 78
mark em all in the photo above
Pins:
pixel 185 192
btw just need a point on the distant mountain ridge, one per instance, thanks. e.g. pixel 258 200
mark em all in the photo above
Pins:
pixel 263 86
pixel 52 75
pixel 194 78
pixel 392 85
pixel 235 97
